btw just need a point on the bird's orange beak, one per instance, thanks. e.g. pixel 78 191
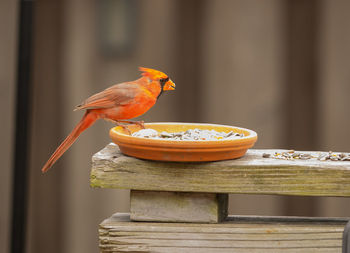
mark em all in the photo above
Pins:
pixel 169 85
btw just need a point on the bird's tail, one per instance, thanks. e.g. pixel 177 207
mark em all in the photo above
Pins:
pixel 87 120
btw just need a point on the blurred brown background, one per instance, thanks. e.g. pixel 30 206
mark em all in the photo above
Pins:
pixel 280 67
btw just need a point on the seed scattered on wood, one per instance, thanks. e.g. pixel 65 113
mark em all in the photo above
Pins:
pixel 189 135
pixel 305 156
pixel 295 155
pixel 324 156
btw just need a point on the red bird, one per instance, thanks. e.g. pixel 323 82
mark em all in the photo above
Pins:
pixel 118 103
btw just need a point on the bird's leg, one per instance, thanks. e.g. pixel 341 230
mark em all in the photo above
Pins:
pixel 140 123
pixel 118 124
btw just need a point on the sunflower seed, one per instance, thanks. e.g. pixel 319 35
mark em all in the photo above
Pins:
pixel 346 158
pixel 165 135
pixel 305 156
pixel 266 155
pixel 334 158
pixel 146 133
pixel 295 155
pixel 342 155
pixel 322 157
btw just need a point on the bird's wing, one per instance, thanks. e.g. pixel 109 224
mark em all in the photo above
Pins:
pixel 116 95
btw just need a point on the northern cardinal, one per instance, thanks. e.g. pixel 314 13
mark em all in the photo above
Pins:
pixel 118 103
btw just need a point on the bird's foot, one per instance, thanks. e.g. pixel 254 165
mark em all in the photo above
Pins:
pixel 140 123
pixel 118 123
pixel 125 127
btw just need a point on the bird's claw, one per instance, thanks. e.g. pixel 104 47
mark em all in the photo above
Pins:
pixel 140 123
pixel 125 127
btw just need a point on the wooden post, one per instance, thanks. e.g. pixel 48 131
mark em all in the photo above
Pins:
pixel 178 206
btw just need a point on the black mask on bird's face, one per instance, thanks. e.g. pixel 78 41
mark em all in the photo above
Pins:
pixel 166 84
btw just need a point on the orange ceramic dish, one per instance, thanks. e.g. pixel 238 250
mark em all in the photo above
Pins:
pixel 183 151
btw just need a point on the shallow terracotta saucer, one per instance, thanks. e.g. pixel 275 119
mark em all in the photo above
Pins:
pixel 183 151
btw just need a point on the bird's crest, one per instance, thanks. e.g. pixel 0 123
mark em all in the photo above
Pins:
pixel 152 73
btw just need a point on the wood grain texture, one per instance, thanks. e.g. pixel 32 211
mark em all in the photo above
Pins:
pixel 237 234
pixel 178 206
pixel 250 174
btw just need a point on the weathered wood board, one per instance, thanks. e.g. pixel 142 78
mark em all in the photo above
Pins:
pixel 237 234
pixel 178 206
pixel 250 174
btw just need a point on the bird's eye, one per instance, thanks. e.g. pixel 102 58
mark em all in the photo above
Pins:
pixel 164 80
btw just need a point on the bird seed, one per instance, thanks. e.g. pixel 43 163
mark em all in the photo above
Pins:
pixel 321 156
pixel 189 135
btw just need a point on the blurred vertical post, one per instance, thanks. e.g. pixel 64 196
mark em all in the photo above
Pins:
pixel 302 87
pixel 20 162
pixel 189 30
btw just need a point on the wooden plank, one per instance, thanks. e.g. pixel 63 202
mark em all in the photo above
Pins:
pixel 250 174
pixel 178 206
pixel 237 234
